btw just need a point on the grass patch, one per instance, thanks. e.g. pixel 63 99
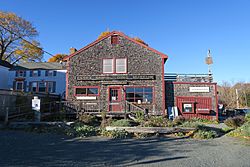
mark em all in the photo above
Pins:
pixel 122 123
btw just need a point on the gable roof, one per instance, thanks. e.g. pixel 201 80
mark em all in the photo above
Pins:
pixel 39 65
pixel 5 64
pixel 164 56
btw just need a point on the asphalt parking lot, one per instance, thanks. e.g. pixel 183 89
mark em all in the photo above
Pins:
pixel 22 149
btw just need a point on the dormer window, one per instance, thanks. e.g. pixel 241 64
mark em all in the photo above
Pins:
pixel 114 39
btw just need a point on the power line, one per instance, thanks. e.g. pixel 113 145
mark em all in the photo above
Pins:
pixel 26 40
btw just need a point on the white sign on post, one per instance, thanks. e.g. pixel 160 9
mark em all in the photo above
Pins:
pixel 36 108
pixel 36 103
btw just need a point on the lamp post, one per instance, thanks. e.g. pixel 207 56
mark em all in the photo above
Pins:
pixel 209 61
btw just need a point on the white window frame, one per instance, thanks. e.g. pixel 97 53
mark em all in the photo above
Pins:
pixel 35 73
pixel 112 66
pixel 50 73
pixel 125 66
pixel 17 82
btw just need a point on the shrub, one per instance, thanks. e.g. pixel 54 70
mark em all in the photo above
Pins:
pixel 121 123
pixel 116 134
pixel 88 119
pixel 247 117
pixel 190 124
pixel 157 121
pixel 204 134
pixel 84 130
pixel 179 120
pixel 243 131
pixel 235 122
pixel 139 115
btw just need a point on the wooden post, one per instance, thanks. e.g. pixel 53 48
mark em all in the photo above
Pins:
pixel 6 120
pixel 50 107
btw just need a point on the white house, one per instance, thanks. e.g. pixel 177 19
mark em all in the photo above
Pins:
pixel 4 72
pixel 38 77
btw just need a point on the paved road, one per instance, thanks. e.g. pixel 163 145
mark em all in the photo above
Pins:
pixel 23 149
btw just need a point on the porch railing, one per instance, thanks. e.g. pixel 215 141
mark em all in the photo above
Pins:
pixel 98 106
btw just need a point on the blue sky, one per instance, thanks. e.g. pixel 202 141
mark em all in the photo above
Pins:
pixel 182 29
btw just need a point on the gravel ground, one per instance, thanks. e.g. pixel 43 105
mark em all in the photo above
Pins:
pixel 23 149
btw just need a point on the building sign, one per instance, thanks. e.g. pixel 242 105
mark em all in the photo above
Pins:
pixel 114 77
pixel 199 89
pixel 36 104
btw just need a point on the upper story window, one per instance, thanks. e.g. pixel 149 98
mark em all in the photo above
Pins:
pixel 114 39
pixel 118 65
pixel 86 91
pixel 20 73
pixel 35 73
pixel 121 65
pixel 50 73
pixel 108 66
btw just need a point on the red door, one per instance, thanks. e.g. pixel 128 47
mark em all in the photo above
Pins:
pixel 115 99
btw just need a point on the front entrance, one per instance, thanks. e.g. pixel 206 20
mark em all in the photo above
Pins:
pixel 115 99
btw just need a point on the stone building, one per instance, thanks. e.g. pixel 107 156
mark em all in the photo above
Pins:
pixel 191 96
pixel 116 73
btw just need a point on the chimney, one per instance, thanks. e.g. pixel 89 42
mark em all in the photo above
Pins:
pixel 72 50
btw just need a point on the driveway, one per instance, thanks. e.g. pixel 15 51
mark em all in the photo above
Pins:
pixel 22 149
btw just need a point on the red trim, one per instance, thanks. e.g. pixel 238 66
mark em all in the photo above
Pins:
pixel 164 56
pixel 114 87
pixel 67 81
pixel 153 89
pixel 98 87
pixel 114 66
pixel 216 98
pixel 163 89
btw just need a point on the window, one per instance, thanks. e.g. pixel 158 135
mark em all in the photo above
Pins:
pixel 20 73
pixel 42 87
pixel 139 94
pixel 50 87
pixel 86 91
pixel 120 65
pixel 50 73
pixel 35 73
pixel 187 107
pixel 107 65
pixel 114 39
pixel 34 86
pixel 19 85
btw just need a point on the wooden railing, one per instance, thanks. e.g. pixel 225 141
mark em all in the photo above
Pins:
pixel 97 106
pixel 130 107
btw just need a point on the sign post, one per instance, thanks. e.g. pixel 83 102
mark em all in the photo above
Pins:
pixel 36 108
